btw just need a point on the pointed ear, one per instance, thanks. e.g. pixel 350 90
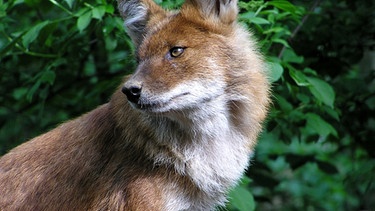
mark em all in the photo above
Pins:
pixel 138 14
pixel 225 11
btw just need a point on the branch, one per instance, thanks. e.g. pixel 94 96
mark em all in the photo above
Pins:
pixel 298 28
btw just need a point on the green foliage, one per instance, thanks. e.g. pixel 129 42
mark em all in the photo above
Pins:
pixel 240 197
pixel 69 55
pixel 60 58
pixel 309 154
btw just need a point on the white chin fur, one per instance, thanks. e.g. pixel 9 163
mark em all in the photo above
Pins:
pixel 183 97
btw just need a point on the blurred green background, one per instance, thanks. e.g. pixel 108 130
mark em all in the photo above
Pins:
pixel 62 58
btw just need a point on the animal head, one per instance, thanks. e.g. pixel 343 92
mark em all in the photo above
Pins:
pixel 187 58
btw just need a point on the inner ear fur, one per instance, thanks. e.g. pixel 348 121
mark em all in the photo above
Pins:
pixel 223 11
pixel 137 15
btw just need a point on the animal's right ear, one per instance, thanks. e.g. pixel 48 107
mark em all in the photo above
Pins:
pixel 138 14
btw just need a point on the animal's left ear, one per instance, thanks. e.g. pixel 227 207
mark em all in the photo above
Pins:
pixel 225 11
pixel 138 15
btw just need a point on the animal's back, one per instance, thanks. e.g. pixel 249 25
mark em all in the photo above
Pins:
pixel 80 165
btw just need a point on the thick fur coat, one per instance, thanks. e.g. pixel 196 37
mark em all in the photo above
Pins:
pixel 180 138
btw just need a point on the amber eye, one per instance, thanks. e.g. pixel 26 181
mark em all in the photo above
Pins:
pixel 176 51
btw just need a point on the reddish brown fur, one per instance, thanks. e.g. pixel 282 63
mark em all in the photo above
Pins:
pixel 81 160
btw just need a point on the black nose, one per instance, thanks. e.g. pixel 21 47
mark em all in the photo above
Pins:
pixel 133 93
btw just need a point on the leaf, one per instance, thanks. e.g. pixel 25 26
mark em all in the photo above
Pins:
pixel 109 9
pixel 84 20
pixel 284 5
pixel 333 113
pixel 33 33
pixel 70 3
pixel 258 20
pixel 32 3
pixel 242 199
pixel 276 71
pixel 19 93
pixel 3 9
pixel 98 12
pixel 32 91
pixel 48 77
pixel 284 104
pixel 305 99
pixel 291 57
pixel 316 124
pixel 247 15
pixel 46 35
pixel 274 30
pixel 281 41
pixel 322 91
pixel 110 44
pixel 298 76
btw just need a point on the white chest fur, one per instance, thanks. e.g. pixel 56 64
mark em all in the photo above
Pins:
pixel 209 150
